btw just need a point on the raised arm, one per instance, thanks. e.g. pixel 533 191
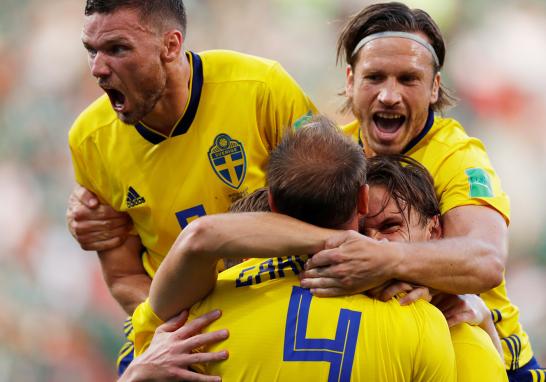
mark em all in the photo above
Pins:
pixel 188 272
pixel 124 274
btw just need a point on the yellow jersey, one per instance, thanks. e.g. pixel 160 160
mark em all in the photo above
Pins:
pixel 477 358
pixel 280 332
pixel 237 110
pixel 463 175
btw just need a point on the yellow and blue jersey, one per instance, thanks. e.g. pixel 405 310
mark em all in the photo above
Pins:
pixel 237 110
pixel 280 332
pixel 463 175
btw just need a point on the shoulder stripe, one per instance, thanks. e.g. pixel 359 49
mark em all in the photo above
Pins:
pixel 195 95
pixel 183 125
pixel 426 129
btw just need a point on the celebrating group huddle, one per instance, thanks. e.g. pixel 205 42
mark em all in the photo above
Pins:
pixel 350 254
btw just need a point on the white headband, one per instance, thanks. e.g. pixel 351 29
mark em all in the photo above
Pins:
pixel 409 36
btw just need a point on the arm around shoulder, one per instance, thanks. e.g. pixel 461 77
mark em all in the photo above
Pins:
pixel 469 259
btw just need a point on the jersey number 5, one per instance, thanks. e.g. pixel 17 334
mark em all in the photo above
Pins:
pixel 184 216
pixel 339 352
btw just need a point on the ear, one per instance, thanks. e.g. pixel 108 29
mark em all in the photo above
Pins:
pixel 434 228
pixel 362 204
pixel 349 80
pixel 435 88
pixel 271 202
pixel 172 45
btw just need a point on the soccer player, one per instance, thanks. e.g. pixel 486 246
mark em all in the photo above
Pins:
pixel 176 135
pixel 278 331
pixel 393 86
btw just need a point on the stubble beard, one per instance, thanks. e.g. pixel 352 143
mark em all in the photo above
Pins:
pixel 142 108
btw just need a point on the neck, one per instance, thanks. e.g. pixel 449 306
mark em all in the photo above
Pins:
pixel 170 107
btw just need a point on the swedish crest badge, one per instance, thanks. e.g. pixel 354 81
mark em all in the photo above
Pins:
pixel 228 160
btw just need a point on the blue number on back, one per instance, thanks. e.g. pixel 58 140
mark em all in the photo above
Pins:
pixel 339 352
pixel 193 212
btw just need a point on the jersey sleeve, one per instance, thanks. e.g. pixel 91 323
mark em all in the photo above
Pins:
pixel 466 177
pixel 145 322
pixel 477 358
pixel 283 105
pixel 87 164
pixel 435 357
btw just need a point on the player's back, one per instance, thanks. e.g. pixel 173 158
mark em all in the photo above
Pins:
pixel 279 332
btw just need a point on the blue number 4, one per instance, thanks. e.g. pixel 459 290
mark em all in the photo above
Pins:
pixel 339 352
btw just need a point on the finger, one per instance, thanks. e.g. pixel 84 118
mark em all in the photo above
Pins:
pixel 207 357
pixel 320 282
pixel 328 271
pixel 103 245
pixel 86 197
pixel 459 318
pixel 174 323
pixel 328 292
pixel 376 292
pixel 196 325
pixel 199 340
pixel 94 231
pixel 102 212
pixel 323 258
pixel 420 293
pixel 338 239
pixel 393 289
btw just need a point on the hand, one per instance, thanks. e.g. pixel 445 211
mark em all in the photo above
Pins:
pixel 96 227
pixel 457 309
pixel 349 264
pixel 390 289
pixel 170 353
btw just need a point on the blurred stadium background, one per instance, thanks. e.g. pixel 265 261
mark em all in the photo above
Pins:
pixel 58 321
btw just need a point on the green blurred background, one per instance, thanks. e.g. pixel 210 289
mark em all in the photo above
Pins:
pixel 58 321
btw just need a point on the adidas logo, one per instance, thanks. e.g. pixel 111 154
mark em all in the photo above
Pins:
pixel 133 198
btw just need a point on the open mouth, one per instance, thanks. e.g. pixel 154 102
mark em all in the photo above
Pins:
pixel 388 122
pixel 117 99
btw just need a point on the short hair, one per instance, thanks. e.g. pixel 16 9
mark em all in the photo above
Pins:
pixel 407 182
pixel 315 174
pixel 395 17
pixel 254 202
pixel 158 11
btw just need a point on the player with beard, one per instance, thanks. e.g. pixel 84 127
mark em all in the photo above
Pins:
pixel 394 55
pixel 177 135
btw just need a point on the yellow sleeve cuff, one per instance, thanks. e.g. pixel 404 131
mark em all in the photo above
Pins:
pixel 145 322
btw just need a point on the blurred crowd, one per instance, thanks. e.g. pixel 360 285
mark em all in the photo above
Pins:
pixel 57 319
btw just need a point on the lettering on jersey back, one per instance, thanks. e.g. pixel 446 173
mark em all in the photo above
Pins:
pixel 228 160
pixel 268 270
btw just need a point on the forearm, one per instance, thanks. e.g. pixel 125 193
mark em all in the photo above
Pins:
pixel 489 327
pixel 188 273
pixel 256 235
pixel 456 265
pixel 125 275
pixel 130 291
